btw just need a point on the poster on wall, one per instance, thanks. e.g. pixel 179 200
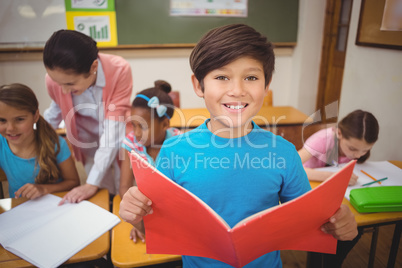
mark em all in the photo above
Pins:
pixel 217 8
pixel 392 17
pixel 378 27
pixel 95 18
pixel 89 4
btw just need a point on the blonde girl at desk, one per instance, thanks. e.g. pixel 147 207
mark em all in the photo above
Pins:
pixel 353 138
pixel 34 158
pixel 151 111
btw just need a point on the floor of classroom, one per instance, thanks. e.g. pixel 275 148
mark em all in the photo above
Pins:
pixel 358 256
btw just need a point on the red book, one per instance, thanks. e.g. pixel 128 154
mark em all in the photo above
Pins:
pixel 182 224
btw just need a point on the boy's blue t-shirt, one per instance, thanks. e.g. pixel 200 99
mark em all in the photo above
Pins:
pixel 235 177
pixel 20 171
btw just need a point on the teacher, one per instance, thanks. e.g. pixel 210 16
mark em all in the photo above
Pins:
pixel 91 92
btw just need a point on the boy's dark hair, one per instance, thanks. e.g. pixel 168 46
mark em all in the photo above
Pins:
pixel 360 125
pixel 70 50
pixel 225 44
pixel 160 90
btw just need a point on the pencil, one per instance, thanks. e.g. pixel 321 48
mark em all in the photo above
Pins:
pixel 379 181
pixel 371 177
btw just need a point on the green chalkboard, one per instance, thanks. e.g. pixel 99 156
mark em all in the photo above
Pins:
pixel 147 22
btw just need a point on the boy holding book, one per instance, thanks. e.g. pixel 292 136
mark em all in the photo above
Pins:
pixel 234 166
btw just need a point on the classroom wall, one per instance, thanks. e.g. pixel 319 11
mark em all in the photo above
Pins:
pixel 373 81
pixel 372 78
pixel 147 66
pixel 294 72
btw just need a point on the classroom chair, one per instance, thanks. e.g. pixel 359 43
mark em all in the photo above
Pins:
pixel 80 167
pixel 3 177
pixel 70 147
pixel 268 99
pixel 63 133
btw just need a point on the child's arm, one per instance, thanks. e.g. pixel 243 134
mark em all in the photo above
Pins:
pixel 304 155
pixel 134 206
pixel 69 176
pixel 342 225
pixel 126 174
pixel 312 174
pixel 319 175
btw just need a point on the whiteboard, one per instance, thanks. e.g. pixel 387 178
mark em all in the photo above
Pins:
pixel 30 23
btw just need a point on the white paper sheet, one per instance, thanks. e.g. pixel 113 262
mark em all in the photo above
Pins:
pixel 377 169
pixel 47 235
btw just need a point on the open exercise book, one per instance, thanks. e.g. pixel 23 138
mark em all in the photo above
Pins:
pixel 377 169
pixel 183 224
pixel 46 234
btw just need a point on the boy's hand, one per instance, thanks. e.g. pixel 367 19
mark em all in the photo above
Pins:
pixel 342 225
pixel 134 205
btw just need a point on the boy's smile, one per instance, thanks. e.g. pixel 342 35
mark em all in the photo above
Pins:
pixel 235 107
pixel 233 95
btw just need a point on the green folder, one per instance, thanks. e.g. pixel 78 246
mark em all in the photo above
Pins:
pixel 377 199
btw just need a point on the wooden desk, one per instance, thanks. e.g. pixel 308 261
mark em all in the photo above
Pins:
pixel 126 253
pixel 267 116
pixel 374 220
pixel 96 250
pixel 285 121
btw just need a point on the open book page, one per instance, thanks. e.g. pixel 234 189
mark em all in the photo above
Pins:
pixel 377 169
pixel 14 223
pixel 294 225
pixel 46 235
pixel 183 224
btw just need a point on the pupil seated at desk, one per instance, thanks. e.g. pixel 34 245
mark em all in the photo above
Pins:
pixel 151 111
pixel 354 138
pixel 34 158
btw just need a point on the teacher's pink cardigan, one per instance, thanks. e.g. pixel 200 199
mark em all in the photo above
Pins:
pixel 115 96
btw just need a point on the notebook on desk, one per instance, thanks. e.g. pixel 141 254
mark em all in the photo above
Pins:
pixel 376 169
pixel 46 234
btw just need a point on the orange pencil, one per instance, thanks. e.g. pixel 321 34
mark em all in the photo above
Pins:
pixel 371 177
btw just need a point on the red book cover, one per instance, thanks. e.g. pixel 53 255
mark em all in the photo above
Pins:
pixel 182 224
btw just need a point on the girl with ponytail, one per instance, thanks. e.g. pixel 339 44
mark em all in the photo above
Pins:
pixel 151 111
pixel 353 138
pixel 34 158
